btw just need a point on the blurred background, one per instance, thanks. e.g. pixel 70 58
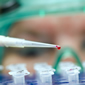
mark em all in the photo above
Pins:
pixel 60 22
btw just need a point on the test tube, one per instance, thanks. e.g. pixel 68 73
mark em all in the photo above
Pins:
pixel 83 63
pixel 70 69
pixel 19 76
pixel 16 67
pixel 64 66
pixel 45 73
pixel 73 76
pixel 38 67
pixel 1 67
pixel 61 64
pixel 46 77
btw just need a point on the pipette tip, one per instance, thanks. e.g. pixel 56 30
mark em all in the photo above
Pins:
pixel 58 47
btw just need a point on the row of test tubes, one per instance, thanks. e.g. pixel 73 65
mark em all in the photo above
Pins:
pixel 44 72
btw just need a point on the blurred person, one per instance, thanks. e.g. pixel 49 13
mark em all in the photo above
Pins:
pixel 67 31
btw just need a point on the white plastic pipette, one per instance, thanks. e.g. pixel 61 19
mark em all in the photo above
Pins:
pixel 16 42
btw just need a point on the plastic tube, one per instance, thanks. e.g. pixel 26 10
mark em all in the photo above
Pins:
pixel 73 76
pixel 1 67
pixel 44 73
pixel 16 67
pixel 18 76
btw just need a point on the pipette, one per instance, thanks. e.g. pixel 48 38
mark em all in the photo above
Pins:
pixel 16 42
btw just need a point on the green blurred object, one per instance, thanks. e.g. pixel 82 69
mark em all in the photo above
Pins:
pixel 41 8
pixel 67 52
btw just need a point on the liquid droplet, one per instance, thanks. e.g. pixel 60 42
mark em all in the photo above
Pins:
pixel 58 47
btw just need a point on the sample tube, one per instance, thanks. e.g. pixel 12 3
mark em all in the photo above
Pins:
pixel 46 77
pixel 1 67
pixel 19 76
pixel 44 72
pixel 16 67
pixel 73 76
